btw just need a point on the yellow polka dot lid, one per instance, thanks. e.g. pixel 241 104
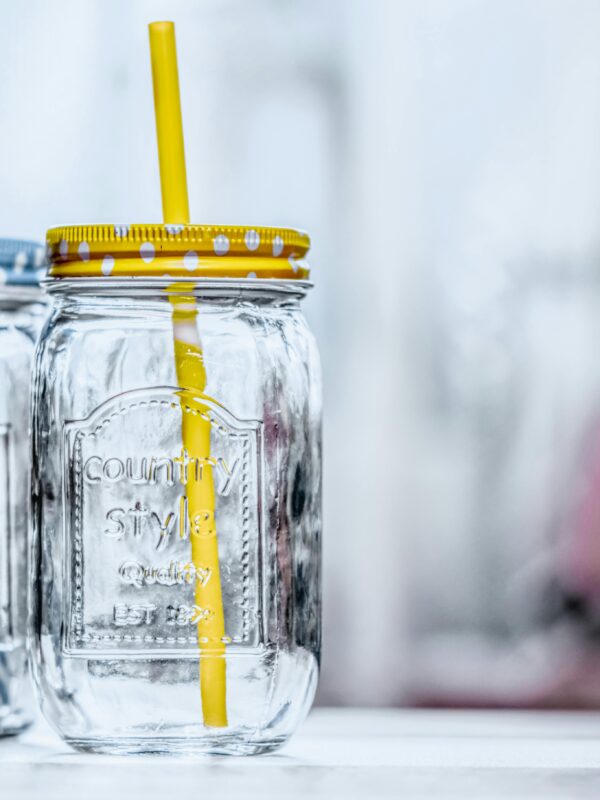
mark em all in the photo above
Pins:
pixel 177 251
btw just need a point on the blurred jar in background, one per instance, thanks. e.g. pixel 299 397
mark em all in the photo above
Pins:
pixel 22 311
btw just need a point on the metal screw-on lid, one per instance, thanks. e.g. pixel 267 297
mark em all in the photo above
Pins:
pixel 21 262
pixel 177 251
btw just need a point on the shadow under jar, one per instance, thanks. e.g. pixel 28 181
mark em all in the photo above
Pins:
pixel 176 490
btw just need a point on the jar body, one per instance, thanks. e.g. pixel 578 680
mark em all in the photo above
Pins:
pixel 20 316
pixel 119 635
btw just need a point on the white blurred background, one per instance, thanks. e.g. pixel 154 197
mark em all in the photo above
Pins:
pixel 445 157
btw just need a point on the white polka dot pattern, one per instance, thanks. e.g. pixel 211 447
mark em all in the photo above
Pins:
pixel 191 260
pixel 221 244
pixel 108 264
pixel 252 240
pixel 277 246
pixel 20 261
pixel 84 251
pixel 147 252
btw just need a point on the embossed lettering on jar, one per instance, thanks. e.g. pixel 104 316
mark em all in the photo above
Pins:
pixel 177 474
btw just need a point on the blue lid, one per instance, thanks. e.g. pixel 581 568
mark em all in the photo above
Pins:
pixel 21 262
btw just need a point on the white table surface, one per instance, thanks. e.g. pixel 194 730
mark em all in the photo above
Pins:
pixel 338 753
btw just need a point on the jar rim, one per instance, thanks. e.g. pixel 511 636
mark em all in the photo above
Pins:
pixel 22 293
pixel 151 285
pixel 176 251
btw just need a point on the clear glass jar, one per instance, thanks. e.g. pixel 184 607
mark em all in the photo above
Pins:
pixel 176 490
pixel 21 313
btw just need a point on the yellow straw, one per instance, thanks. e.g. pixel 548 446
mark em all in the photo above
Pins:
pixel 169 128
pixel 191 376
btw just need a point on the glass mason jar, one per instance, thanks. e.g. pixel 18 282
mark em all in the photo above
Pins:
pixel 21 314
pixel 176 490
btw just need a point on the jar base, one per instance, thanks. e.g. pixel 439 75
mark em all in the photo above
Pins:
pixel 233 745
pixel 13 725
pixel 13 730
